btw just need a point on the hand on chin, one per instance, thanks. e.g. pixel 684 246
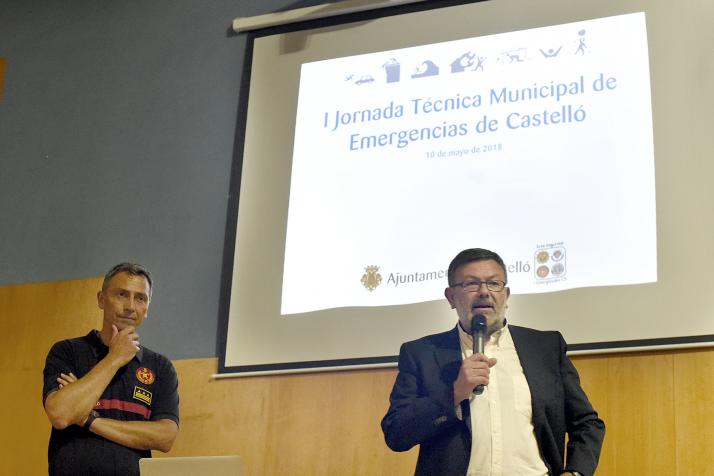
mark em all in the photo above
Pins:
pixel 124 322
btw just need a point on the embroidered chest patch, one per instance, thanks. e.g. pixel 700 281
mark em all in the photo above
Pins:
pixel 145 375
pixel 143 395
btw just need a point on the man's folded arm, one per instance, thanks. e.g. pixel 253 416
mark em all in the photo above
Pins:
pixel 141 435
pixel 71 404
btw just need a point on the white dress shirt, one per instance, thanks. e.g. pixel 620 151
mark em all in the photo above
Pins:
pixel 503 442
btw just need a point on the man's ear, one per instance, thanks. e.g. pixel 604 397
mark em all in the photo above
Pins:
pixel 100 300
pixel 449 295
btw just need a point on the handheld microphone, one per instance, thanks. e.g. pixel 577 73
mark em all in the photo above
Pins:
pixel 478 333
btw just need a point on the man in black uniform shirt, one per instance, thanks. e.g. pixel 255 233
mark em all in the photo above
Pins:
pixel 110 400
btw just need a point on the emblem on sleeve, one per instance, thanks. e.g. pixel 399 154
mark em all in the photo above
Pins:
pixel 145 376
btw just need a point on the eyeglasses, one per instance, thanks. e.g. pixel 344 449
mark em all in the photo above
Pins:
pixel 473 285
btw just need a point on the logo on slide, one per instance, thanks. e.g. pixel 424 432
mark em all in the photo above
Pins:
pixel 371 278
pixel 550 262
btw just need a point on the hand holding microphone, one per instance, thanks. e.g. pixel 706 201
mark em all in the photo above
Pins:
pixel 474 372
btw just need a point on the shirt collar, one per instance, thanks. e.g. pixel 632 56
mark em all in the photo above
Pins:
pixel 499 338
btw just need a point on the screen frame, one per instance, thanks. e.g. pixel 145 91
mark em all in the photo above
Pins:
pixel 599 347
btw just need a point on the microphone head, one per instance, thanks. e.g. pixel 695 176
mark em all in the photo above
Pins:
pixel 478 324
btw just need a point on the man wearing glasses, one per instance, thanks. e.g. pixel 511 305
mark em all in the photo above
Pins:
pixel 528 397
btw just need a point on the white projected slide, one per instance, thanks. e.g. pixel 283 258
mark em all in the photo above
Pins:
pixel 535 143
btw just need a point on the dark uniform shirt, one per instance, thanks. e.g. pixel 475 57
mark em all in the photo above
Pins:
pixel 145 389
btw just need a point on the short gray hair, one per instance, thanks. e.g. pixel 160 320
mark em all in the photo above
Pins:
pixel 133 269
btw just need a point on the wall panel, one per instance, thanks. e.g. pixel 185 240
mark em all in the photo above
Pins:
pixel 32 318
pixel 694 411
pixel 658 407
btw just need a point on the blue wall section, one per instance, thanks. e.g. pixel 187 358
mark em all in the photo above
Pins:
pixel 117 130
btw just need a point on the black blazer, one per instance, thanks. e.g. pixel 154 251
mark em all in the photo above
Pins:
pixel 421 410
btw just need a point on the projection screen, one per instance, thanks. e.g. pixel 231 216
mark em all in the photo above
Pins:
pixel 567 136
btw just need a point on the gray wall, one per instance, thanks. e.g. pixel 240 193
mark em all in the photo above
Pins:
pixel 117 130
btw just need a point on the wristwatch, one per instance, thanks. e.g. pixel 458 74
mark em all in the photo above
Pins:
pixel 90 419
